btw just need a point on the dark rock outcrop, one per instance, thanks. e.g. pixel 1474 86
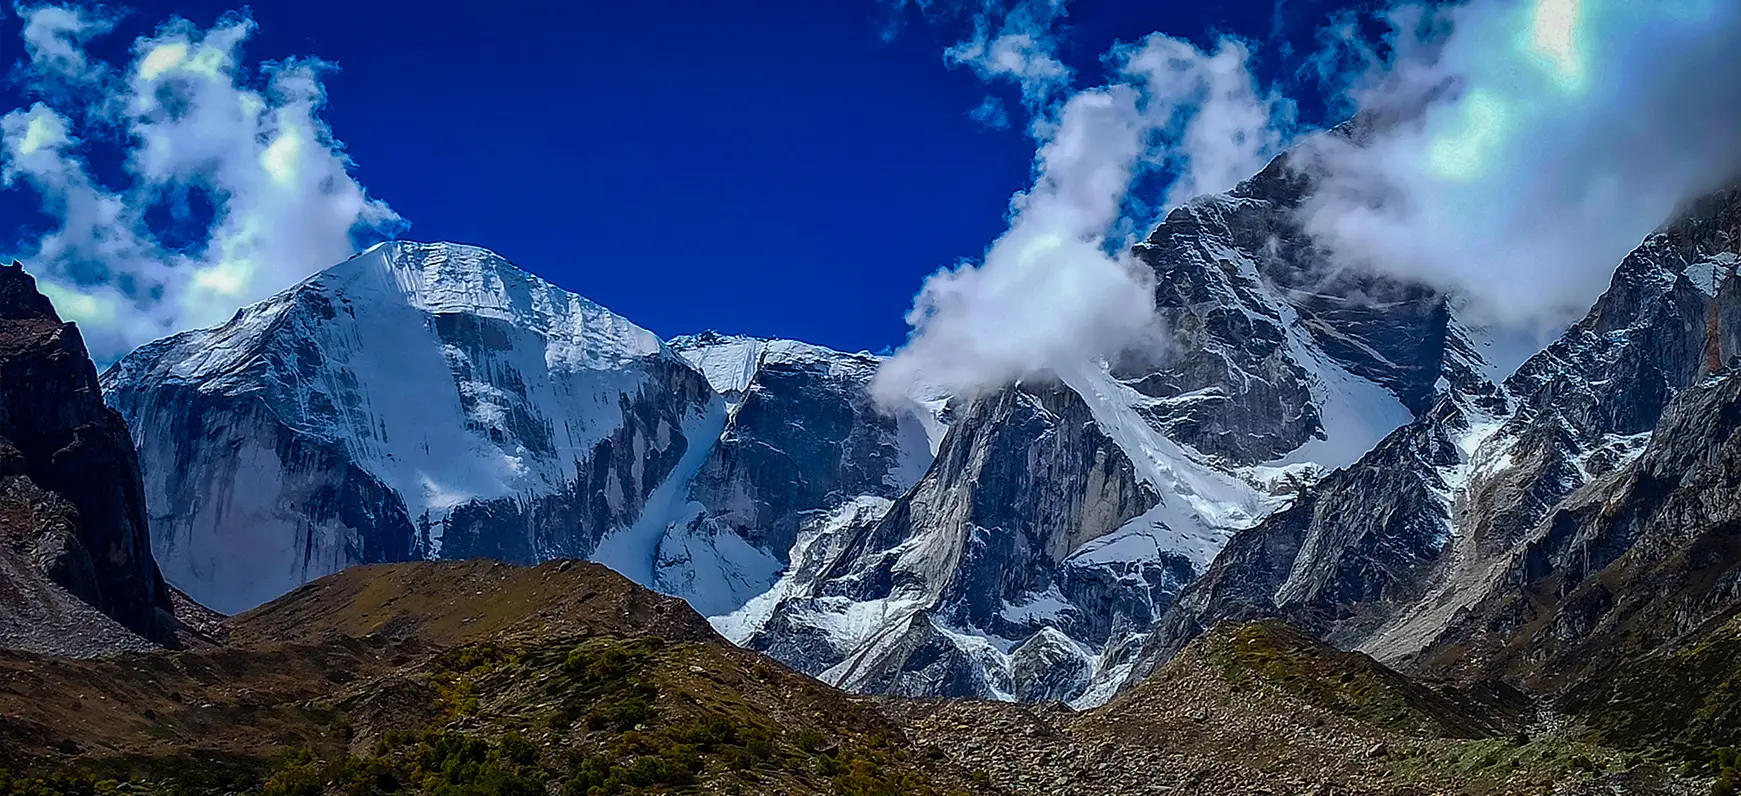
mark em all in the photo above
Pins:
pixel 72 507
pixel 1252 303
pixel 805 435
pixel 803 438
pixel 982 545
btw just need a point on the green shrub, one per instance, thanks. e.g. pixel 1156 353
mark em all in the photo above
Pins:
pixel 708 733
pixel 301 777
pixel 808 740
pixel 621 714
pixel 601 662
pixel 57 785
pixel 474 658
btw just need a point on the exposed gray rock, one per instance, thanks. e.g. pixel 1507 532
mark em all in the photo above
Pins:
pixel 1254 306
pixel 804 436
pixel 1077 511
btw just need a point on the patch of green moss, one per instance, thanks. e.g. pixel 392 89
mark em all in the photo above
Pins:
pixel 180 775
pixel 456 672
pixel 1489 765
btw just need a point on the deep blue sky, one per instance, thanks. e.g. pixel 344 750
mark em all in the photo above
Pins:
pixel 771 168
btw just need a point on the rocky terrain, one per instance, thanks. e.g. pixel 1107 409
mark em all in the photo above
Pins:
pixel 1262 709
pixel 479 676
pixel 485 677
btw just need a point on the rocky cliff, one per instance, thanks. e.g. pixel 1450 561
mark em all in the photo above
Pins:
pixel 76 571
pixel 803 438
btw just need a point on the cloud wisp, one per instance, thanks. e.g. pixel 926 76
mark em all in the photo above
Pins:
pixel 187 121
pixel 1511 153
pixel 1058 288
pixel 1526 147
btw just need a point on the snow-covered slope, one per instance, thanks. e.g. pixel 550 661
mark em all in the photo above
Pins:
pixel 417 400
pixel 435 401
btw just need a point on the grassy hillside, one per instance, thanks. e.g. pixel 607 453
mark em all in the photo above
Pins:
pixel 463 678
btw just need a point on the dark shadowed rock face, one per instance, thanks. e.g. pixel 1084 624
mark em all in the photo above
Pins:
pixel 1643 560
pixel 72 508
pixel 804 435
pixel 1357 539
pixel 1255 307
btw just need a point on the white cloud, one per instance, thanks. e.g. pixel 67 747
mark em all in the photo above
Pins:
pixel 1511 153
pixel 54 39
pixel 990 114
pixel 1017 45
pixel 1225 128
pixel 284 202
pixel 1058 289
pixel 1530 146
pixel 1048 294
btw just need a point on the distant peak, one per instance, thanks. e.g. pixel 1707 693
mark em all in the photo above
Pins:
pixel 712 338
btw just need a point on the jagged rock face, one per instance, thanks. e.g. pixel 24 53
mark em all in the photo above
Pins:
pixel 1057 522
pixel 803 437
pixel 72 508
pixel 992 549
pixel 1262 320
pixel 418 400
pixel 1672 313
pixel 1357 539
pixel 1357 561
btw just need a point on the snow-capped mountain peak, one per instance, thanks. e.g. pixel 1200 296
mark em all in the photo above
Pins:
pixel 415 400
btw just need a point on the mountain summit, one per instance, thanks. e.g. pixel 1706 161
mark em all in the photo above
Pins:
pixel 415 401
